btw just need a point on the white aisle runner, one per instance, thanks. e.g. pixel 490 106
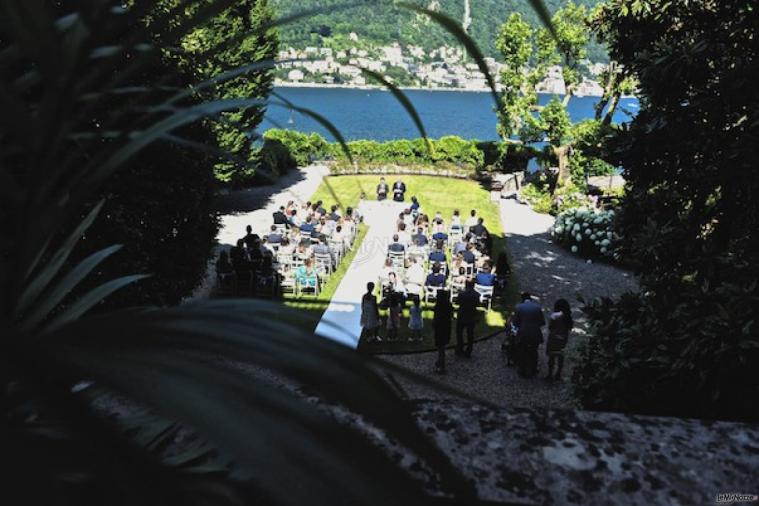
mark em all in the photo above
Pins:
pixel 341 320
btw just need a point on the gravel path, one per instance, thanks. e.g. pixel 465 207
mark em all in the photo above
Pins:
pixel 548 272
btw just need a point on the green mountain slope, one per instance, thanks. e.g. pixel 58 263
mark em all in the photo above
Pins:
pixel 378 22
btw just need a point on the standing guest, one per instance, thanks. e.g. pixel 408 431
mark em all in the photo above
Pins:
pixel 441 325
pixel 370 321
pixel 471 221
pixel 415 322
pixel 393 312
pixel 280 218
pixel 529 320
pixel 559 325
pixel 382 189
pixel 479 229
pixel 399 190
pixel 415 206
pixel 250 239
pixel 466 319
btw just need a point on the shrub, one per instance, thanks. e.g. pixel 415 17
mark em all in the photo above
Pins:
pixel 450 150
pixel 276 158
pixel 586 232
pixel 304 148
pixel 570 196
pixel 540 200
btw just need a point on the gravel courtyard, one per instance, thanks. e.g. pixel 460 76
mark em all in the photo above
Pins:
pixel 547 271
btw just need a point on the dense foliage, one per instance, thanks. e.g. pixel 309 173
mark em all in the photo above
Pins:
pixel 587 232
pixel 147 405
pixel 236 37
pixel 688 344
pixel 383 24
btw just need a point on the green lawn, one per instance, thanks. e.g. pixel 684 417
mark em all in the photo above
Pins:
pixel 434 194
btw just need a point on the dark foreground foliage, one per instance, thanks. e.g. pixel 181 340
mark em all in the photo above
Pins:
pixel 688 344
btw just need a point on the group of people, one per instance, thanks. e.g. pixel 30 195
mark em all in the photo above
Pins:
pixel 398 189
pixel 304 243
pixel 525 335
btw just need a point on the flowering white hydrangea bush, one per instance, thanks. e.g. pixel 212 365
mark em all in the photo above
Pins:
pixel 586 232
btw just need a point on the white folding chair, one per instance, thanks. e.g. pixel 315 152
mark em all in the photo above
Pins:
pixel 486 294
pixel 323 263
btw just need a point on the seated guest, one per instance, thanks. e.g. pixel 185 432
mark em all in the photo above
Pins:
pixel 458 269
pixel 308 227
pixel 468 254
pixel 479 229
pixel 319 209
pixel 280 218
pixel 348 227
pixel 304 251
pixel 306 209
pixel 294 219
pixel 435 278
pixel 485 277
pixel 471 221
pixel 400 221
pixel 353 215
pixel 460 245
pixel 420 237
pixel 399 190
pixel 415 277
pixel 396 246
pixel 423 221
pixel 415 251
pixel 438 254
pixel 384 274
pixel 382 189
pixel 306 275
pixel 327 227
pixel 408 218
pixel 438 219
pixel 440 236
pixel 322 248
pixel 286 247
pixel 403 236
pixel 274 237
pixel 456 221
pixel 333 214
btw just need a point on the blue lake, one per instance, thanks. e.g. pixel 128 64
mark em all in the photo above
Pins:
pixel 376 114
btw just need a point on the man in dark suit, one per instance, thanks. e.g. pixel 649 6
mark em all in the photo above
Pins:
pixel 466 318
pixel 395 246
pixel 440 236
pixel 399 190
pixel 528 318
pixel 382 189
pixel 280 218
pixel 479 229
pixel 308 227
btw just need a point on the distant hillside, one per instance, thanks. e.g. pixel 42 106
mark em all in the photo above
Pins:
pixel 379 23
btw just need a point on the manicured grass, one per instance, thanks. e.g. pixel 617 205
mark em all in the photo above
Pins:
pixel 434 194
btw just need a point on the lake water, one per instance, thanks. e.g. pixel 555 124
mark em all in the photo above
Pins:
pixel 377 115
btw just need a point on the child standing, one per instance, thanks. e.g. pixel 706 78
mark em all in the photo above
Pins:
pixel 415 322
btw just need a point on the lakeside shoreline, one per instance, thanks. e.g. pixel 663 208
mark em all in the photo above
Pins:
pixel 369 87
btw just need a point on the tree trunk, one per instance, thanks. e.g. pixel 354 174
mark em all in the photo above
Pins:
pixel 612 107
pixel 562 153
